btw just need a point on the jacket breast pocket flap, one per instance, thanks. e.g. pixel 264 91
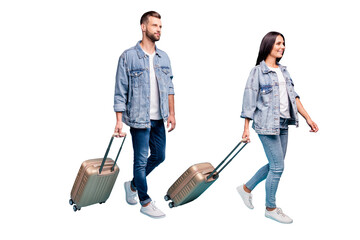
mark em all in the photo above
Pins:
pixel 266 89
pixel 137 77
pixel 165 70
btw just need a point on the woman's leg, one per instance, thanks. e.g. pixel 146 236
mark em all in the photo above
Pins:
pixel 259 176
pixel 274 152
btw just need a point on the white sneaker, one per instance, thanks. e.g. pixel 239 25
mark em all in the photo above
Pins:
pixel 278 215
pixel 246 197
pixel 130 194
pixel 152 211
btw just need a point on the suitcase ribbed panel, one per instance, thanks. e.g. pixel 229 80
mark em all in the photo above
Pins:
pixel 81 188
pixel 179 181
pixel 185 192
pixel 77 182
pixel 191 184
pixel 89 186
pixel 95 189
pixel 187 176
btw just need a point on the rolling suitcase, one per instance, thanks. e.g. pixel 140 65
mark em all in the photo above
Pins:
pixel 95 180
pixel 196 179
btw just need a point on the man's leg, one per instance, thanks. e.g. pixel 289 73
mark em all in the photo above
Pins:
pixel 157 145
pixel 140 140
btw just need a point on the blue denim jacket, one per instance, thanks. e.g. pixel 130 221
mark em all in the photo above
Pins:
pixel 132 88
pixel 261 102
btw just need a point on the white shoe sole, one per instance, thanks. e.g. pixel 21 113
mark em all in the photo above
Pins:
pixel 277 220
pixel 154 217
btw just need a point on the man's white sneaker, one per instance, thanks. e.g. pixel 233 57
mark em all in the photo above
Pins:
pixel 152 211
pixel 246 197
pixel 130 194
pixel 278 215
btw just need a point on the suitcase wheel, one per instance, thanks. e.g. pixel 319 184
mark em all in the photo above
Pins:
pixel 71 202
pixel 101 202
pixel 171 204
pixel 75 208
pixel 167 198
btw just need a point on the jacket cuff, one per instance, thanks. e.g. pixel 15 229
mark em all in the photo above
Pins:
pixel 119 107
pixel 171 91
pixel 249 115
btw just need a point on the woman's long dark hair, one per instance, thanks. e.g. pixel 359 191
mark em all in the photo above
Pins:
pixel 266 46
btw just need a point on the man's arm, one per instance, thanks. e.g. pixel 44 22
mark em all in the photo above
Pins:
pixel 120 97
pixel 119 125
pixel 171 119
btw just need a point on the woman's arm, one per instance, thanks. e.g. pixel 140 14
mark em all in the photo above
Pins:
pixel 249 101
pixel 246 133
pixel 301 110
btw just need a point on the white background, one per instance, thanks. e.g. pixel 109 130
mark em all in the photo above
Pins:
pixel 58 61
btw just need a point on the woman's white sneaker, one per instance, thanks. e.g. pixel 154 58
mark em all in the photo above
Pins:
pixel 278 215
pixel 246 197
pixel 152 211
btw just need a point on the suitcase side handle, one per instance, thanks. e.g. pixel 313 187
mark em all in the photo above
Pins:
pixel 215 174
pixel 107 152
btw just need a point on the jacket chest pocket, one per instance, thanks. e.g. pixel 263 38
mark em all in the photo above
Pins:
pixel 266 89
pixel 137 78
pixel 265 94
pixel 163 78
pixel 165 74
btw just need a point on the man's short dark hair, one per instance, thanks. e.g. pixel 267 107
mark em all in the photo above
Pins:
pixel 145 17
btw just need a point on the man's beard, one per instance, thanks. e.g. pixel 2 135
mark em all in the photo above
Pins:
pixel 152 37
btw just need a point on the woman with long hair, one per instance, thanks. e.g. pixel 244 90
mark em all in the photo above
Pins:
pixel 272 103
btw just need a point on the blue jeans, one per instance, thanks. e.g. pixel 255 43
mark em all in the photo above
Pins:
pixel 275 150
pixel 143 139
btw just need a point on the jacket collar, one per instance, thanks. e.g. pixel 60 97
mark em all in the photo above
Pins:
pixel 141 53
pixel 266 69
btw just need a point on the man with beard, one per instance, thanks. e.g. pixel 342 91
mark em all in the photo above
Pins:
pixel 144 100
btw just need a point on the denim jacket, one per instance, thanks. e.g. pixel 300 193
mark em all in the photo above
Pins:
pixel 261 102
pixel 132 88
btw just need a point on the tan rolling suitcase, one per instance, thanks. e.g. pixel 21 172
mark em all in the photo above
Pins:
pixel 95 180
pixel 196 179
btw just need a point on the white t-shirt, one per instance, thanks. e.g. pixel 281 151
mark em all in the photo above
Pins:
pixel 284 98
pixel 154 90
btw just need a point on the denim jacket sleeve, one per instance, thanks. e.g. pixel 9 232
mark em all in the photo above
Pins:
pixel 121 85
pixel 295 93
pixel 251 94
pixel 169 74
pixel 171 85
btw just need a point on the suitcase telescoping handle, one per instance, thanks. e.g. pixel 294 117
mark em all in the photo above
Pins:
pixel 212 174
pixel 107 152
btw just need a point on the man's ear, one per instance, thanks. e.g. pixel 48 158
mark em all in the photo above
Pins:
pixel 143 27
